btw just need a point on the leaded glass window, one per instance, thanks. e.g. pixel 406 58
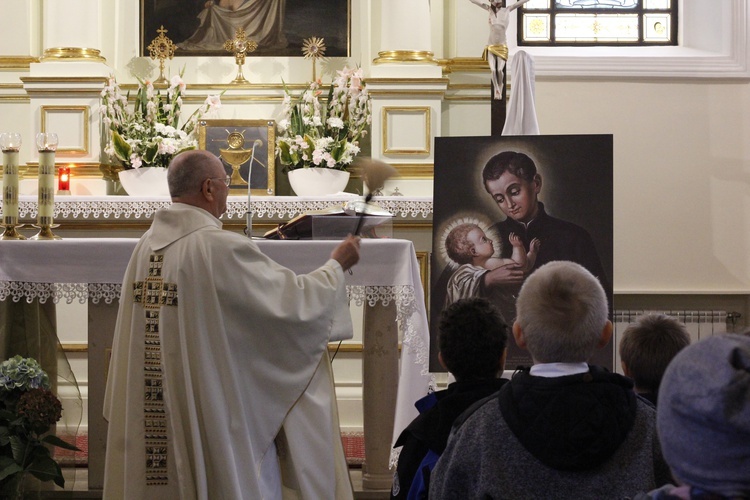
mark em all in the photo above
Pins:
pixel 597 22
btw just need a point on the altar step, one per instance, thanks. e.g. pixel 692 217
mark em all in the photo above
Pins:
pixel 79 478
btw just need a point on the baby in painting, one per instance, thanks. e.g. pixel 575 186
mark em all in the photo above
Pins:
pixel 468 246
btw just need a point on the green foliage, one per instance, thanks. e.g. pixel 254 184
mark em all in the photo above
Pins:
pixel 26 417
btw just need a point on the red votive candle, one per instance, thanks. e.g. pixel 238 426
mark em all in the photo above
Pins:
pixel 63 178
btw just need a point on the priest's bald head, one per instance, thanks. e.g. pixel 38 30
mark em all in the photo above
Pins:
pixel 198 178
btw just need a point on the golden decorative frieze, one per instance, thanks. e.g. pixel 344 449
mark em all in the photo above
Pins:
pixel 463 64
pixel 405 56
pixel 415 170
pixel 17 62
pixel 72 54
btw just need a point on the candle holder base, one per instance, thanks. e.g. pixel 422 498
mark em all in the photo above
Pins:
pixel 64 192
pixel 10 232
pixel 45 232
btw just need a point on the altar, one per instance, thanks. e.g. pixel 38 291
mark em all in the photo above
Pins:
pixel 386 281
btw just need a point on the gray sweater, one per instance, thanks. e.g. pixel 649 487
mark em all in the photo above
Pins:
pixel 484 458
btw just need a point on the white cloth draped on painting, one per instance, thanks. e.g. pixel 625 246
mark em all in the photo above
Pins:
pixel 521 116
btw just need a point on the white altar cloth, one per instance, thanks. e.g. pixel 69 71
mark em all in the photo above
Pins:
pixel 92 269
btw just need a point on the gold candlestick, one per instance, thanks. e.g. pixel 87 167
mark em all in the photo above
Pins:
pixel 161 48
pixel 240 45
pixel 47 145
pixel 313 48
pixel 10 143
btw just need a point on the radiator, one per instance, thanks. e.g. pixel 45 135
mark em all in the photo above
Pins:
pixel 700 324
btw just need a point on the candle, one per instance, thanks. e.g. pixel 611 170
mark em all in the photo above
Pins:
pixel 10 143
pixel 63 179
pixel 47 145
pixel 249 215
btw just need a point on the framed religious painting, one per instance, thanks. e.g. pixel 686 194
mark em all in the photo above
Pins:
pixel 280 28
pixel 518 201
pixel 247 148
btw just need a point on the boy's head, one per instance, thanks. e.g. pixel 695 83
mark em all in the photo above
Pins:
pixel 647 347
pixel 513 182
pixel 472 337
pixel 703 419
pixel 467 241
pixel 561 314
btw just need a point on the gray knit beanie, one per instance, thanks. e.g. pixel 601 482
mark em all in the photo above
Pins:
pixel 703 415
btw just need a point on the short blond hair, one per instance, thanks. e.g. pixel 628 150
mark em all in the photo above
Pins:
pixel 562 310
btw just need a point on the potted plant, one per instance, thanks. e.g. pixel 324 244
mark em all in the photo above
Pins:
pixel 28 410
pixel 149 135
pixel 320 140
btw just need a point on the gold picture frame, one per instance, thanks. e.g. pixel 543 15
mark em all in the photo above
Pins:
pixel 198 28
pixel 233 141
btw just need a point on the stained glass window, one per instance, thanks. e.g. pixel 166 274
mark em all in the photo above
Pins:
pixel 597 22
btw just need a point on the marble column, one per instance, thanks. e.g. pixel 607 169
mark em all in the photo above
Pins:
pixel 64 88
pixel 405 36
pixel 407 88
pixel 73 25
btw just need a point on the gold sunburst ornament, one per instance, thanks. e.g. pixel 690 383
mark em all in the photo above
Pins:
pixel 239 46
pixel 161 48
pixel 313 48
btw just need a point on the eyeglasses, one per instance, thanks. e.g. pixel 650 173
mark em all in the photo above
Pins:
pixel 226 180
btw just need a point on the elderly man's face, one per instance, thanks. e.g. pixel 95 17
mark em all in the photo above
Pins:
pixel 219 188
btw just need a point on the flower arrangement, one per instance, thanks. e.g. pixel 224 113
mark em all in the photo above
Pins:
pixel 149 135
pixel 316 135
pixel 28 409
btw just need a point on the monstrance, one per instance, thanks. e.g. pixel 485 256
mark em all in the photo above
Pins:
pixel 161 48
pixel 239 46
pixel 313 48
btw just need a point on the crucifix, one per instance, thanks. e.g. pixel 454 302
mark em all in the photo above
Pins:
pixel 496 54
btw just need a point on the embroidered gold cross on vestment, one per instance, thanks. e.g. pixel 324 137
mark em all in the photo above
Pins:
pixel 153 293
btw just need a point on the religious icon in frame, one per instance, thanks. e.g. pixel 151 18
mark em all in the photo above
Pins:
pixel 555 189
pixel 247 150
pixel 279 27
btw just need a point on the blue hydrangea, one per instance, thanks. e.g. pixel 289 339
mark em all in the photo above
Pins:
pixel 22 373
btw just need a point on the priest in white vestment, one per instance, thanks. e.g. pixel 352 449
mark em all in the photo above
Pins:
pixel 220 383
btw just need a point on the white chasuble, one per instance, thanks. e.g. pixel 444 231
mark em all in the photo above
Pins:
pixel 216 349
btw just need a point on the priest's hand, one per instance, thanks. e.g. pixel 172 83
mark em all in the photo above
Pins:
pixel 347 252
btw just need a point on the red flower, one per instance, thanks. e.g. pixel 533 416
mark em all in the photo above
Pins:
pixel 40 407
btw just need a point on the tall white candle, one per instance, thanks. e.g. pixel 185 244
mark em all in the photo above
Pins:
pixel 46 209
pixel 249 214
pixel 10 187
pixel 46 143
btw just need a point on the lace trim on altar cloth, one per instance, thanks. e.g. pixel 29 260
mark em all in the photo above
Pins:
pixel 67 292
pixel 404 298
pixel 124 207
